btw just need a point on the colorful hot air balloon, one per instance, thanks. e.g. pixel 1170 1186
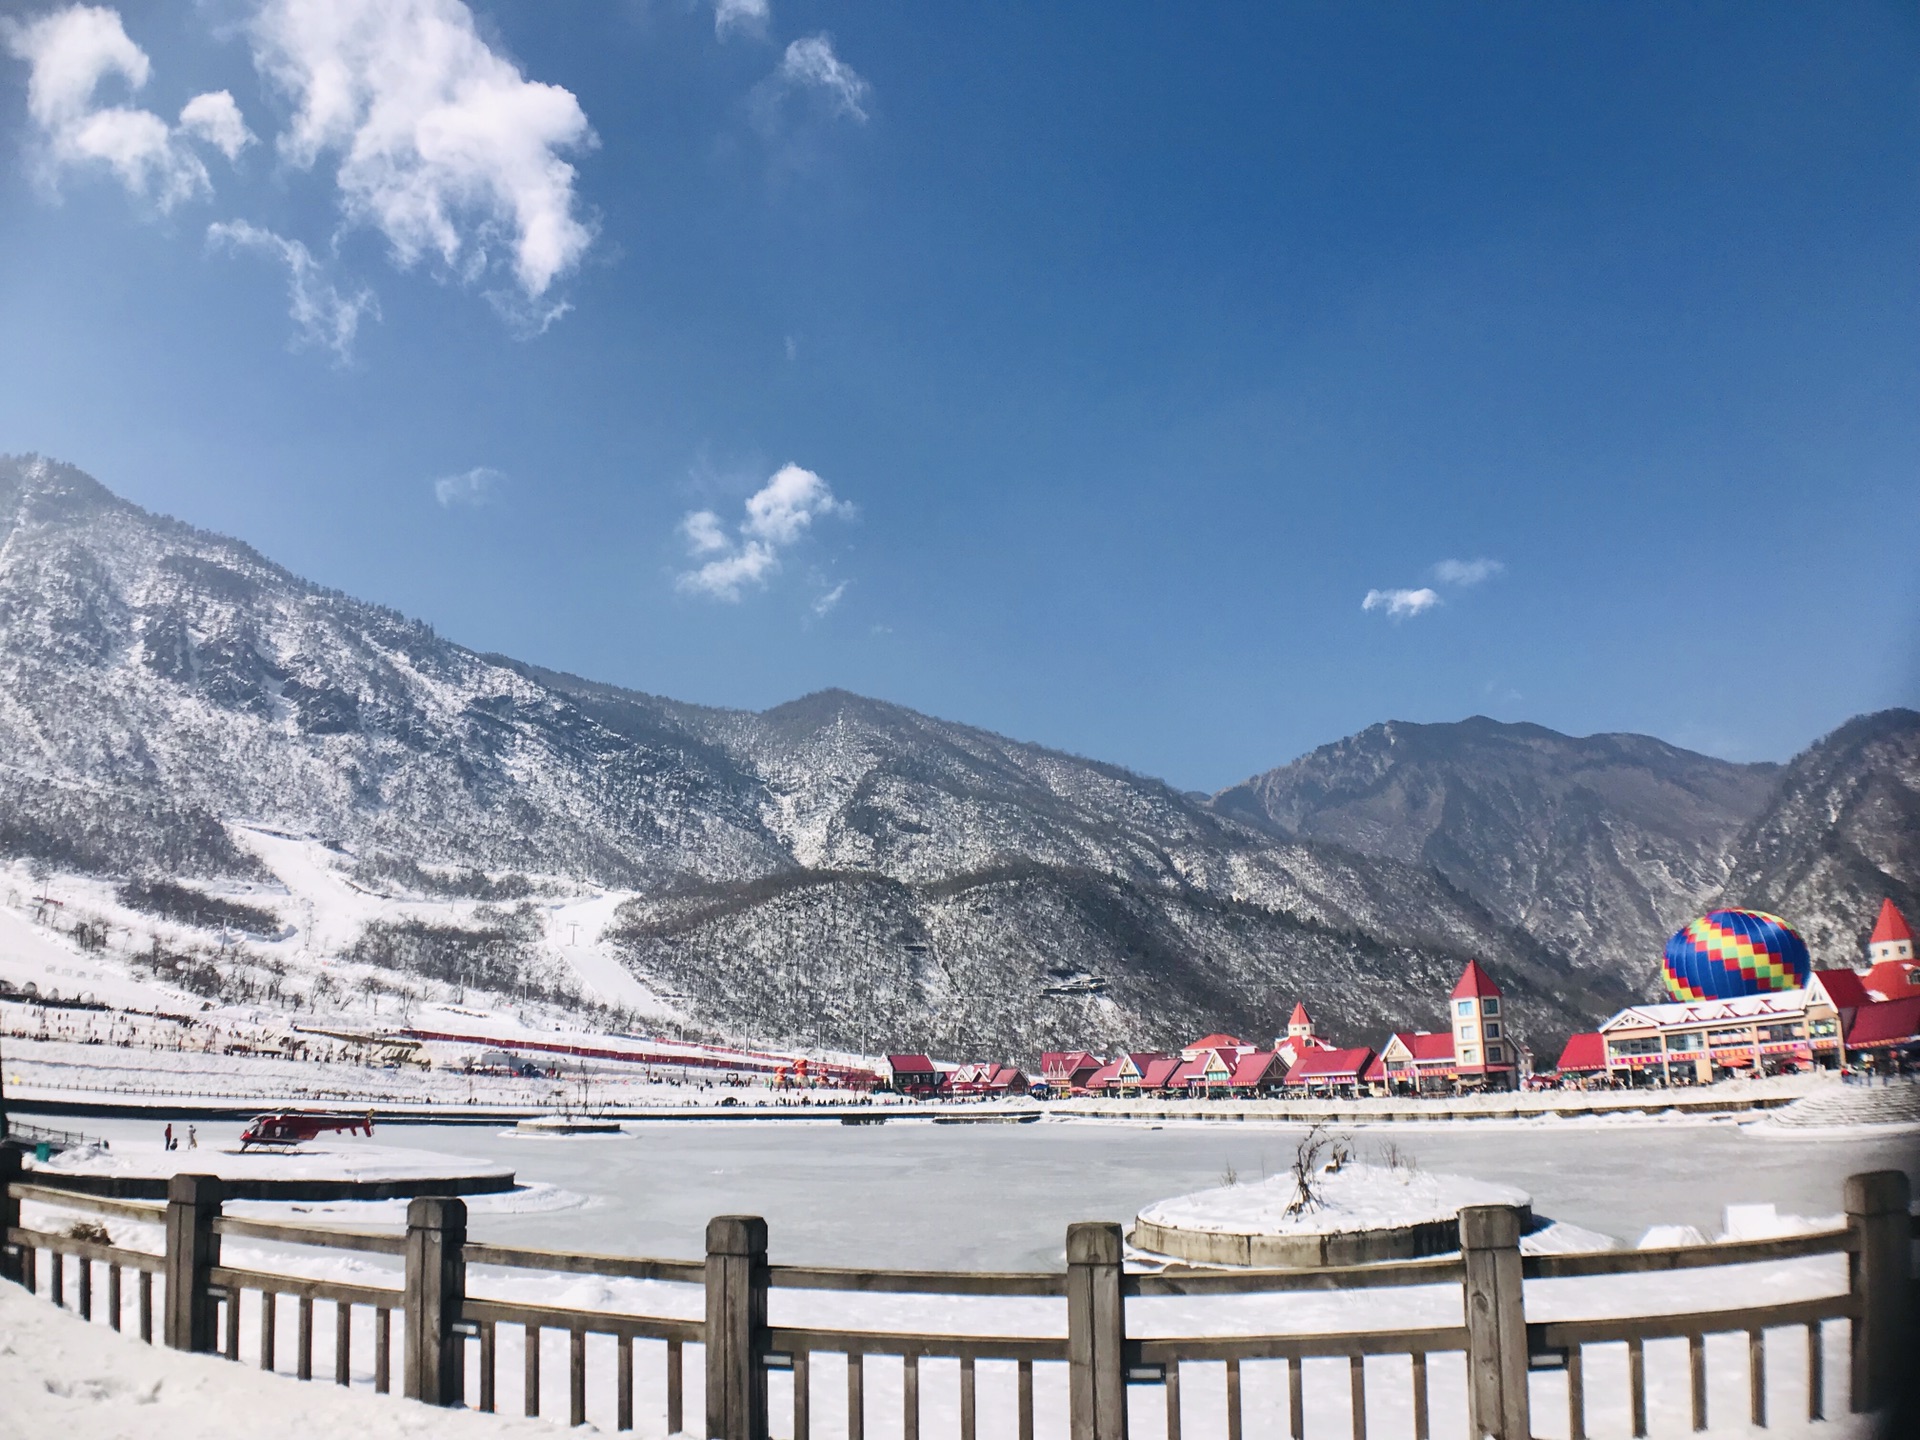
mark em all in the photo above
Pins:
pixel 1730 953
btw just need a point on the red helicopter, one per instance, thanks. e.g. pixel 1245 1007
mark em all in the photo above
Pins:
pixel 294 1127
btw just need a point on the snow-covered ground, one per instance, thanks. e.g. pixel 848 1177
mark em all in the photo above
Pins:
pixel 67 1362
pixel 60 1376
pixel 70 937
pixel 329 1158
pixel 1355 1197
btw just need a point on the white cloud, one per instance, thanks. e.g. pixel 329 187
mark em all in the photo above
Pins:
pixel 1401 604
pixel 777 516
pixel 749 17
pixel 811 62
pixel 705 534
pixel 71 52
pixel 1466 572
pixel 477 486
pixel 824 603
pixel 443 145
pixel 216 119
pixel 325 315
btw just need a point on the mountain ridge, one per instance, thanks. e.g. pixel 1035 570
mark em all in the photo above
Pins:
pixel 836 869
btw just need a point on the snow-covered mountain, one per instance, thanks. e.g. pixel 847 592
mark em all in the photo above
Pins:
pixel 1599 845
pixel 1840 833
pixel 835 871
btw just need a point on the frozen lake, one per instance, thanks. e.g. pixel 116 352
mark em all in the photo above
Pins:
pixel 916 1194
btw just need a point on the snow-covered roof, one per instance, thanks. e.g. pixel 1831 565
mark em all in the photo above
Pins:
pixel 1891 980
pixel 1786 1004
pixel 1068 1062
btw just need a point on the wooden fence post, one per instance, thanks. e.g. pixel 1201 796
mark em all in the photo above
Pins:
pixel 10 1266
pixel 193 1249
pixel 433 1358
pixel 1096 1333
pixel 1879 1275
pixel 1494 1306
pixel 736 1330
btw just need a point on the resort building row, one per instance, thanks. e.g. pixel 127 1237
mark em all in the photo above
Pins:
pixel 1868 1019
pixel 1841 1018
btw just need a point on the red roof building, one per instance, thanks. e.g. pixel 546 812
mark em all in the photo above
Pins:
pixel 1891 980
pixel 1259 1073
pixel 1885 1024
pixel 1484 1054
pixel 1891 929
pixel 1840 988
pixel 1474 982
pixel 915 1074
pixel 1586 1054
pixel 1158 1074
pixel 1417 1060
pixel 1225 1044
pixel 1329 1070
pixel 1067 1071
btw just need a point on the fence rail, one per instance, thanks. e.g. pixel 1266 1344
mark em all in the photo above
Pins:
pixel 205 1304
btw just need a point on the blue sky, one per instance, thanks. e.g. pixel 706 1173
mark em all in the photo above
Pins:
pixel 1077 371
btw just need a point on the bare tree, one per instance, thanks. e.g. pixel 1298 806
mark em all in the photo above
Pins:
pixel 1308 1167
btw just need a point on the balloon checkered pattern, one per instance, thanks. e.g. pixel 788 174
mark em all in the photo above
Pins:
pixel 1732 953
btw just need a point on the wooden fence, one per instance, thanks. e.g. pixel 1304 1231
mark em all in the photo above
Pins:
pixel 202 1310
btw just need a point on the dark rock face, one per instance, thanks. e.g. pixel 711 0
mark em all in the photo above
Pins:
pixel 1840 833
pixel 1597 847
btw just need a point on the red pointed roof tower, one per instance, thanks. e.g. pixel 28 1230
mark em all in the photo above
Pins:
pixel 1475 983
pixel 1891 927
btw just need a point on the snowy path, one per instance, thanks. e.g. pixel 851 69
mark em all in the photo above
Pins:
pixel 571 924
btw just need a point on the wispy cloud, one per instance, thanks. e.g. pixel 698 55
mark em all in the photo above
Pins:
pixel 776 517
pixel 1405 604
pixel 72 51
pixel 443 146
pixel 478 486
pixel 747 17
pixel 809 64
pixel 323 314
pixel 1401 604
pixel 1466 572
pixel 824 603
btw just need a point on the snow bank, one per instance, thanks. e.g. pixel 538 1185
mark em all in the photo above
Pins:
pixel 62 1376
pixel 321 1161
pixel 1355 1197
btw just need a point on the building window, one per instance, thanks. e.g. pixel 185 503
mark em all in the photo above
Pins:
pixel 1492 1027
pixel 1490 1006
pixel 1495 1054
pixel 1465 1007
pixel 1470 1055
